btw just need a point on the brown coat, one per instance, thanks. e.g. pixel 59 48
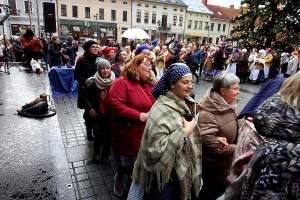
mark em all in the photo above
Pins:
pixel 208 63
pixel 216 119
pixel 242 67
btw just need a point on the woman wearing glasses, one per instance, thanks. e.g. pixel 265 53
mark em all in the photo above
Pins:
pixel 84 69
pixel 217 118
pixel 130 101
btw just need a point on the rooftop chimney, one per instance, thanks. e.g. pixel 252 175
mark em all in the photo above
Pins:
pixel 231 6
pixel 204 2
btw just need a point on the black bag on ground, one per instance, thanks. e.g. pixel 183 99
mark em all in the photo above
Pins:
pixel 37 109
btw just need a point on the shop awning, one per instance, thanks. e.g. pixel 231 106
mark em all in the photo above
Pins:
pixel 194 34
pixel 103 30
pixel 76 28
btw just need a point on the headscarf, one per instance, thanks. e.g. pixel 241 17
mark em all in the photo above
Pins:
pixel 142 48
pixel 171 76
pixel 106 50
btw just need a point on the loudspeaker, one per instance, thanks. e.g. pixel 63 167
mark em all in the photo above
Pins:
pixel 49 17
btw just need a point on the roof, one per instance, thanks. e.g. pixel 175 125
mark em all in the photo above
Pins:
pixel 172 2
pixel 196 6
pixel 218 12
pixel 231 12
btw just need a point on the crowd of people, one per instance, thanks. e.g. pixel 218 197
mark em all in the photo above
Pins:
pixel 138 103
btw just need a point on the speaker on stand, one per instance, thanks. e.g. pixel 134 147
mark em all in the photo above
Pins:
pixel 49 17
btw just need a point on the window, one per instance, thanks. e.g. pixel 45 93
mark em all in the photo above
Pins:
pixel 153 18
pixel 175 9
pixel 124 2
pixel 224 27
pixel 139 5
pixel 190 24
pixel 200 25
pixel 147 6
pixel 101 0
pixel 87 12
pixel 154 6
pixel 219 27
pixel 195 24
pixel 138 17
pixel 124 16
pixel 165 8
pixel 63 10
pixel 74 11
pixel 113 1
pixel 101 13
pixel 180 20
pixel 146 18
pixel 26 6
pixel 12 6
pixel 206 25
pixel 174 20
pixel 113 14
pixel 212 26
pixel 181 10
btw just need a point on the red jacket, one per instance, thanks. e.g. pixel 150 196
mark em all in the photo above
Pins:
pixel 126 102
pixel 33 45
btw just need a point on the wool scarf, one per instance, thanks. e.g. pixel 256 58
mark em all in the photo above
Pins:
pixel 232 104
pixel 101 83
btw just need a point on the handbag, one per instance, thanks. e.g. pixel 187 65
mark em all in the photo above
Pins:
pixel 66 58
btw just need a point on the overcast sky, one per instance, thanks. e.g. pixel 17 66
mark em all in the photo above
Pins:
pixel 225 3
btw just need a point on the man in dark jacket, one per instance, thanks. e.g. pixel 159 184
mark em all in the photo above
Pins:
pixel 197 54
pixel 71 48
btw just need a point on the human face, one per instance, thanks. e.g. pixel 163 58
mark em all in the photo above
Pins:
pixel 146 53
pixel 111 54
pixel 123 56
pixel 93 49
pixel 127 50
pixel 105 72
pixel 230 94
pixel 57 41
pixel 144 70
pixel 183 87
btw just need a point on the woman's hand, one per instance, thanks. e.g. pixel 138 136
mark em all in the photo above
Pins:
pixel 144 116
pixel 92 112
pixel 223 142
pixel 188 125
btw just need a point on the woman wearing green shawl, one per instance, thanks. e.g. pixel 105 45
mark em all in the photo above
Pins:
pixel 168 165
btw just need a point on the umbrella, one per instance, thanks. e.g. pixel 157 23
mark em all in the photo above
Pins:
pixel 135 33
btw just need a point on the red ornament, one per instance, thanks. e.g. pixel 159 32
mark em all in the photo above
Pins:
pixel 284 28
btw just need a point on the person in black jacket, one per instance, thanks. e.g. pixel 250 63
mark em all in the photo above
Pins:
pixel 84 69
pixel 189 59
pixel 218 60
pixel 55 52
pixel 95 98
pixel 274 69
pixel 18 49
pixel 45 43
pixel 71 48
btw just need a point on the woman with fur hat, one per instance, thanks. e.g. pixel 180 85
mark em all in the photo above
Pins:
pixel 130 101
pixel 95 96
pixel 84 69
pixel 257 74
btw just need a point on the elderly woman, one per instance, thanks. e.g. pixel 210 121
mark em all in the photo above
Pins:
pixel 257 74
pixel 129 53
pixel 95 95
pixel 84 69
pixel 292 65
pixel 233 60
pixel 109 53
pixel 284 60
pixel 217 118
pixel 121 61
pixel 18 49
pixel 273 172
pixel 169 161
pixel 242 67
pixel 130 101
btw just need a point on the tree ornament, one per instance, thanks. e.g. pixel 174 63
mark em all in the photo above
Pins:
pixel 245 8
pixel 252 42
pixel 280 6
pixel 236 22
pixel 258 23
pixel 279 36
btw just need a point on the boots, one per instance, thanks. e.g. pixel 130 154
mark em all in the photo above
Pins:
pixel 89 134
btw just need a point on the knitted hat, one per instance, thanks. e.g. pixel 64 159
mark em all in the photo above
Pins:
pixel 101 63
pixel 29 32
pixel 88 44
pixel 142 48
pixel 70 38
pixel 106 50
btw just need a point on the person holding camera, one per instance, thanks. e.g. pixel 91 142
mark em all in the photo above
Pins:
pixel 55 52
pixel 71 47
pixel 33 47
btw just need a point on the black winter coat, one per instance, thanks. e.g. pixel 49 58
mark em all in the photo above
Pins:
pixel 18 51
pixel 218 60
pixel 84 69
pixel 55 56
pixel 189 60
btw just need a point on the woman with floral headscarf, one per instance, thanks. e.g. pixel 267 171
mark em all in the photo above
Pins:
pixel 168 165
pixel 257 74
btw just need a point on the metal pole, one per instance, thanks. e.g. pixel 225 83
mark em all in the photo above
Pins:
pixel 29 12
pixel 58 22
pixel 38 18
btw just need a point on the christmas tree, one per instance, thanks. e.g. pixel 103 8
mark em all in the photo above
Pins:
pixel 268 23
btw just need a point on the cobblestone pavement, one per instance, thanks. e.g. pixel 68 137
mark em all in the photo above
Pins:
pixel 51 158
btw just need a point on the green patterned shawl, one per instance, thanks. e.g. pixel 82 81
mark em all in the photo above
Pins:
pixel 162 148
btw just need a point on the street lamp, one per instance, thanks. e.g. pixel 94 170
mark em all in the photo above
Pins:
pixel 96 18
pixel 207 33
pixel 158 24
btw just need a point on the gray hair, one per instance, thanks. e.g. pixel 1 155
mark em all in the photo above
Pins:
pixel 224 80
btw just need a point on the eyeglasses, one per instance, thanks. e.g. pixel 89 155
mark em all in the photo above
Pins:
pixel 148 65
pixel 236 89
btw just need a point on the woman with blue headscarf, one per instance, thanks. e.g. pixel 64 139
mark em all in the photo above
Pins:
pixel 168 165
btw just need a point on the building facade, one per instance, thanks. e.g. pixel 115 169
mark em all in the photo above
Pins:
pixel 160 19
pixel 100 19
pixel 197 19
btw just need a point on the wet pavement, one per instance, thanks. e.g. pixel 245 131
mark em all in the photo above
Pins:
pixel 51 158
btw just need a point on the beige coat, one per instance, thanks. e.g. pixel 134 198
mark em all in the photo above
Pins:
pixel 216 119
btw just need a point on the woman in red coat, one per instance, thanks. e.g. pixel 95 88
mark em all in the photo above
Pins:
pixel 130 100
